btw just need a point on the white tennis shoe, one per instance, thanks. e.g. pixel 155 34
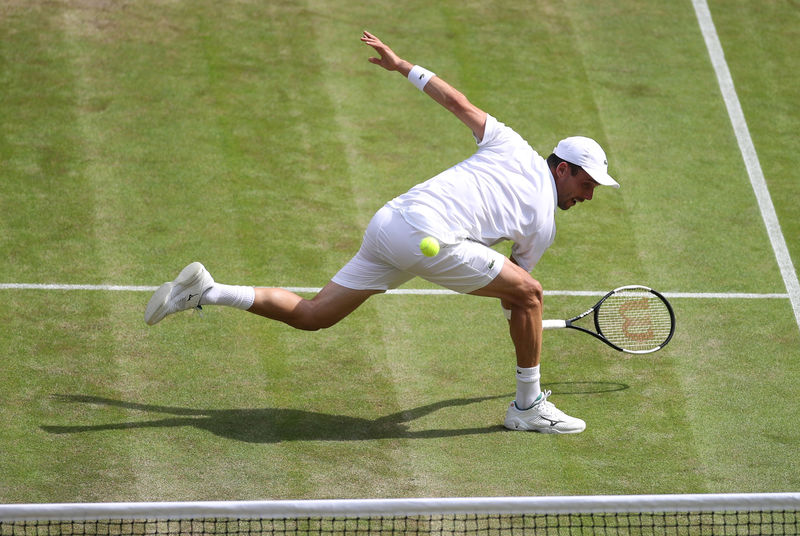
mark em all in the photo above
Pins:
pixel 542 417
pixel 179 295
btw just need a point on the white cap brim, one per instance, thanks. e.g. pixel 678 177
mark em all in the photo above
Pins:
pixel 602 177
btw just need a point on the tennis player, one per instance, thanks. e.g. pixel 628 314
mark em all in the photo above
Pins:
pixel 504 191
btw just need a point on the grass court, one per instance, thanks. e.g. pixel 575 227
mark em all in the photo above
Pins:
pixel 254 136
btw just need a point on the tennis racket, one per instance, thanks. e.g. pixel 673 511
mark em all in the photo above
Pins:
pixel 632 319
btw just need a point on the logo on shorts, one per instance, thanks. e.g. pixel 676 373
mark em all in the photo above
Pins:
pixel 491 264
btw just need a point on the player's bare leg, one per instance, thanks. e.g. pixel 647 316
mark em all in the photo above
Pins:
pixel 522 295
pixel 194 287
pixel 329 306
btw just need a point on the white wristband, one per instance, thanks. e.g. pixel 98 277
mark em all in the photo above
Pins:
pixel 419 76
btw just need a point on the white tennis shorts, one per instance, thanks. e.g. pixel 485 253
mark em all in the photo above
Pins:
pixel 390 256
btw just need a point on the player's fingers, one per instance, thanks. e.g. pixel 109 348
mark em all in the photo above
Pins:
pixel 372 41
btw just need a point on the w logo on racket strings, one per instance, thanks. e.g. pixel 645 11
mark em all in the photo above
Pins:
pixel 638 324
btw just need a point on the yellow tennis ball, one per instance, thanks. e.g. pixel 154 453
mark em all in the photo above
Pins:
pixel 429 246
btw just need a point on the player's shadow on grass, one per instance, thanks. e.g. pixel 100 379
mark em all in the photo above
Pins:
pixel 275 425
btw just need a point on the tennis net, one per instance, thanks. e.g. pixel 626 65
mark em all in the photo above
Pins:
pixel 708 514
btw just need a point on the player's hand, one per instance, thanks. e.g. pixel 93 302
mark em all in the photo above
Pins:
pixel 388 59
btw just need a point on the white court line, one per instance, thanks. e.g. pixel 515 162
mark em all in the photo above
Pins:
pixel 57 286
pixel 748 151
pixel 406 291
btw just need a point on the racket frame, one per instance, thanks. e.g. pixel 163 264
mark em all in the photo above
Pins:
pixel 560 324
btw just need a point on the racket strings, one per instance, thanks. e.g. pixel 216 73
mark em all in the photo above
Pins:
pixel 635 319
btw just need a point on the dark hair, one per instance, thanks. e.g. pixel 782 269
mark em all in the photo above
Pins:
pixel 553 161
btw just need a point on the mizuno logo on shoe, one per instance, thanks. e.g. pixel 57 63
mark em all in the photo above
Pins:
pixel 188 299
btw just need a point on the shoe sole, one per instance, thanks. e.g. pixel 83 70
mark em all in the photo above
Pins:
pixel 521 426
pixel 157 306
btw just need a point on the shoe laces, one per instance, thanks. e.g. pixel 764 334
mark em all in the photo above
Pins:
pixel 546 407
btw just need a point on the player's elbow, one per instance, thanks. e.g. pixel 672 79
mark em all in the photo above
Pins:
pixel 470 115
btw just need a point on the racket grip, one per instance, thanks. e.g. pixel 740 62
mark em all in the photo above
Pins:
pixel 554 324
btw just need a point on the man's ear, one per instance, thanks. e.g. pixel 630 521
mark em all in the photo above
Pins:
pixel 561 171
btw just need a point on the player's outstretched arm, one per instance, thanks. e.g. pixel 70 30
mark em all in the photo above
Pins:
pixel 436 88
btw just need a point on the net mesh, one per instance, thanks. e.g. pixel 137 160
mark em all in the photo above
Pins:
pixel 635 319
pixel 766 522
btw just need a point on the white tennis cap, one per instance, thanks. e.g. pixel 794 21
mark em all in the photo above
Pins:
pixel 586 153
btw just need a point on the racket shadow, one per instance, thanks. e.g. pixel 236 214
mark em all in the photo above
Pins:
pixel 276 425
pixel 585 388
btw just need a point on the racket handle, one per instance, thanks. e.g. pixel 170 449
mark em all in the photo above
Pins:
pixel 554 324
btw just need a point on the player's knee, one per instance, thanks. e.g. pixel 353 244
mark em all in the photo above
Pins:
pixel 324 323
pixel 531 294
pixel 309 318
pixel 527 294
pixel 310 323
pixel 536 294
pixel 304 325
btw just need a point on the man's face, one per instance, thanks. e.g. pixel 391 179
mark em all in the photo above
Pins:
pixel 571 188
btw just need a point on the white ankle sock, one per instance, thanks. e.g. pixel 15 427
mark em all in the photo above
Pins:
pixel 528 388
pixel 230 295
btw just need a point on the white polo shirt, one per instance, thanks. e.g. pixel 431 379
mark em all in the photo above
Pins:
pixel 504 191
